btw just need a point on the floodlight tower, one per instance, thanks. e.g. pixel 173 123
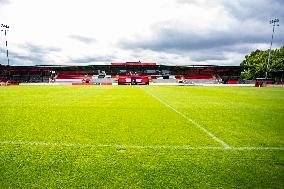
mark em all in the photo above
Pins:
pixel 5 28
pixel 274 22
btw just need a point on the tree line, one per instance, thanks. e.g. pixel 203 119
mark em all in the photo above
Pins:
pixel 254 65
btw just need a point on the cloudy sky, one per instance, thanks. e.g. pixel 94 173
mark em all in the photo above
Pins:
pixel 174 32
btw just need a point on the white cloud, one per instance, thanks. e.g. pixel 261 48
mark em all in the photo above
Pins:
pixel 95 29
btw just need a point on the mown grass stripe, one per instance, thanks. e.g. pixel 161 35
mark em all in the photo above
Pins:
pixel 248 148
pixel 225 145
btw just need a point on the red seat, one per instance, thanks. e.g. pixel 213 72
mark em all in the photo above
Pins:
pixel 70 76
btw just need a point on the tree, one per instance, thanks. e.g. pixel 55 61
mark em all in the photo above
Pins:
pixel 255 64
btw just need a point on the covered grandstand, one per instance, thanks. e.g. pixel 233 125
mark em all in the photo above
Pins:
pixel 114 72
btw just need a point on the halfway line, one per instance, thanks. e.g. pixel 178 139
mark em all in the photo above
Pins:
pixel 141 147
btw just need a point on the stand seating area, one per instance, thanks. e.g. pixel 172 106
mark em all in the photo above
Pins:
pixel 70 76
pixel 2 79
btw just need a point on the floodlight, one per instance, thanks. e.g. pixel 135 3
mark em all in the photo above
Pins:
pixel 5 27
pixel 269 52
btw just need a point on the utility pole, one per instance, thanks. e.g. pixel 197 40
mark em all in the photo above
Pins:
pixel 5 28
pixel 274 22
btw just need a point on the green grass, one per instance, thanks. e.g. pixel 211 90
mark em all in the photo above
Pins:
pixel 111 137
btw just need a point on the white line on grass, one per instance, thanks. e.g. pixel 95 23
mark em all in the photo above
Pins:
pixel 140 147
pixel 225 145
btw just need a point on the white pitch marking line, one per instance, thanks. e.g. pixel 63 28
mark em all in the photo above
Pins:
pixel 141 147
pixel 257 148
pixel 225 145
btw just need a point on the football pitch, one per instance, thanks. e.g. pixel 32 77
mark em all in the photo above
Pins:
pixel 141 137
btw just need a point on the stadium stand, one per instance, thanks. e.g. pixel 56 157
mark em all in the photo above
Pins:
pixel 99 74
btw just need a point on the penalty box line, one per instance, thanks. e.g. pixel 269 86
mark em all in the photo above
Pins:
pixel 225 145
pixel 140 147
